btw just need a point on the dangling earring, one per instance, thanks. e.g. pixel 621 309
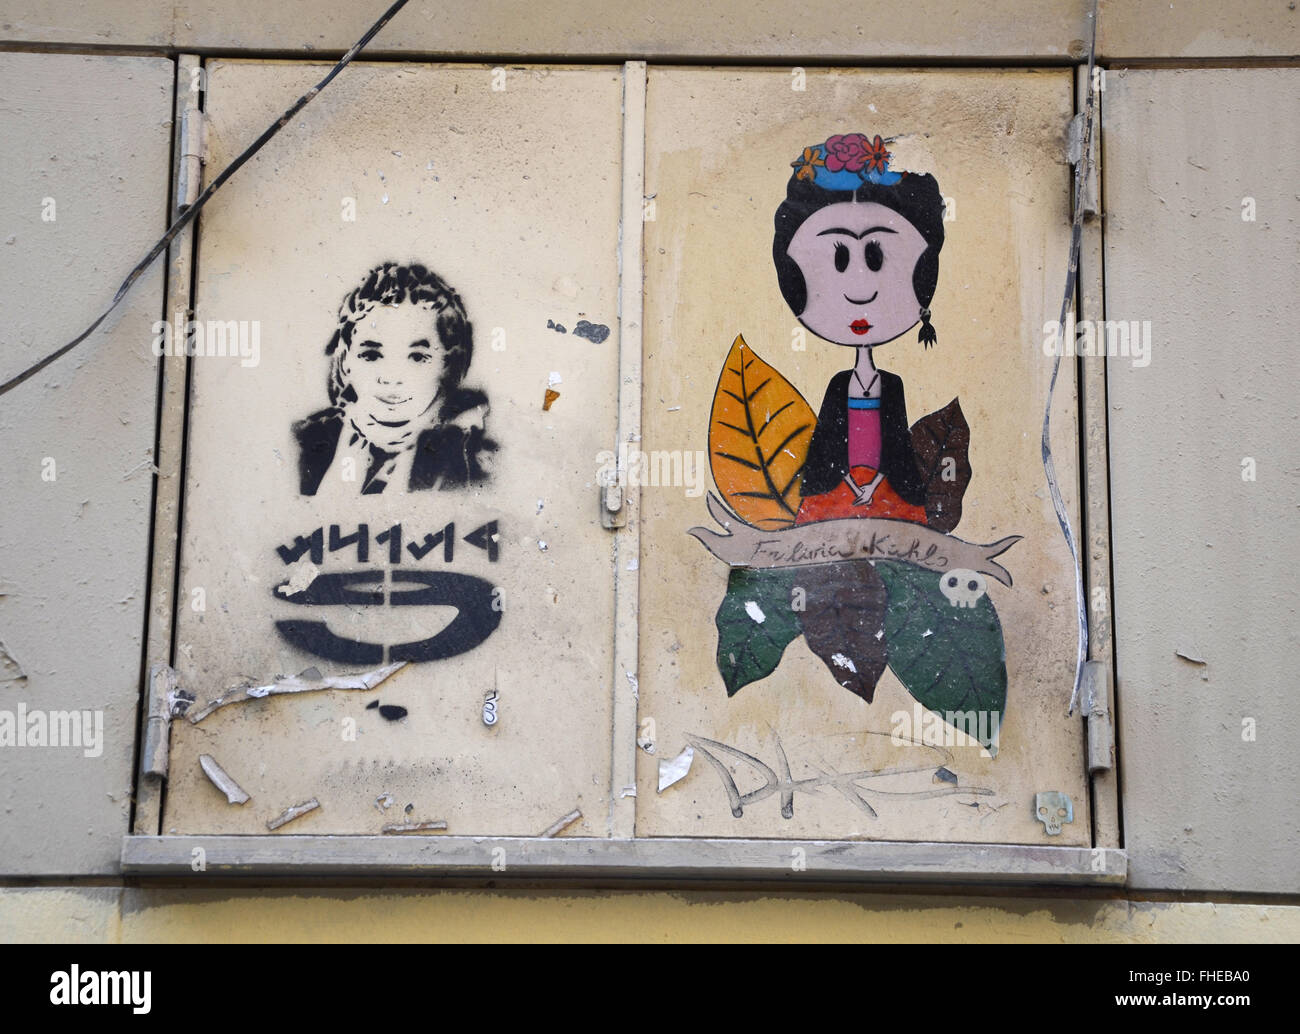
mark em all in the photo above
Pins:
pixel 927 336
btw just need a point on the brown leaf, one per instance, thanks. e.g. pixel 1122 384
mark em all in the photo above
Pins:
pixel 759 431
pixel 937 437
pixel 844 620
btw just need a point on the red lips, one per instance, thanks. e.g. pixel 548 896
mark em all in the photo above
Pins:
pixel 859 326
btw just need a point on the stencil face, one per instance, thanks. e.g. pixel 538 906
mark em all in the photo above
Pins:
pixel 394 364
pixel 857 260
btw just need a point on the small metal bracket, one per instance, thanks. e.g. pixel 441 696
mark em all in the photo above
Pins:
pixel 1052 808
pixel 1095 698
pixel 612 513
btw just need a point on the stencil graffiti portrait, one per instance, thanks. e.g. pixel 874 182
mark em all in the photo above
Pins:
pixel 398 412
pixel 399 419
pixel 838 524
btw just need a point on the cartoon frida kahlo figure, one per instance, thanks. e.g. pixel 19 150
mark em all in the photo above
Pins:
pixel 856 249
pixel 857 259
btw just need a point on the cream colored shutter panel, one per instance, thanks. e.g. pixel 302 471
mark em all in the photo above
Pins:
pixel 506 185
pixel 721 144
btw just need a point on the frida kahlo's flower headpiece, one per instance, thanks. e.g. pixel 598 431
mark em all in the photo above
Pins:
pixel 845 162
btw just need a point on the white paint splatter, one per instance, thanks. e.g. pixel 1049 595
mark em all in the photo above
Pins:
pixel 843 662
pixel 755 612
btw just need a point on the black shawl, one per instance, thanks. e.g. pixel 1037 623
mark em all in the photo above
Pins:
pixel 828 453
pixel 446 456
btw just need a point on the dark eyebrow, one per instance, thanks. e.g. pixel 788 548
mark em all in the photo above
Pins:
pixel 422 343
pixel 371 344
pixel 858 236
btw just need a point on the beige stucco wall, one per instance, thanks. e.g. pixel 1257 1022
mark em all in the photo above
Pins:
pixel 132 915
pixel 1167 850
pixel 821 30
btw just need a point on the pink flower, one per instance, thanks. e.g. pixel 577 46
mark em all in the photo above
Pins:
pixel 848 151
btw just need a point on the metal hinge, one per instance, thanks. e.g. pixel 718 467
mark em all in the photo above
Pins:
pixel 194 143
pixel 165 701
pixel 612 513
pixel 1095 706
pixel 1076 158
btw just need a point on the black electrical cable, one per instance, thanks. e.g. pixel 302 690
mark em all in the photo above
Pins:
pixel 188 216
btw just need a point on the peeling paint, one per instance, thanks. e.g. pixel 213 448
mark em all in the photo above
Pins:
pixel 296 812
pixel 561 824
pixel 309 681
pixel 10 669
pixel 676 770
pixel 222 780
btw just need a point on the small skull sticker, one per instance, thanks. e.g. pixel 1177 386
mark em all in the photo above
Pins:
pixel 1052 808
pixel 962 587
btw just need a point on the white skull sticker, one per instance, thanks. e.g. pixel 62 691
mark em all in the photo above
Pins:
pixel 962 587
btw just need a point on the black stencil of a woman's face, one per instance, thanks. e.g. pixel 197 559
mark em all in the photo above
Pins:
pixel 394 363
pixel 857 260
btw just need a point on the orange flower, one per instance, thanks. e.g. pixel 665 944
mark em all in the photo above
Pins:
pixel 877 156
pixel 805 165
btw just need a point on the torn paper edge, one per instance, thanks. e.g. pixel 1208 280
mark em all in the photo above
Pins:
pixel 559 825
pixel 675 771
pixel 296 812
pixel 297 684
pixel 220 778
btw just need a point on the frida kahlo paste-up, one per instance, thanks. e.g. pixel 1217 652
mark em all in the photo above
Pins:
pixel 837 524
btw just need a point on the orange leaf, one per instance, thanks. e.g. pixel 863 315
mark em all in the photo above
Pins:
pixel 759 433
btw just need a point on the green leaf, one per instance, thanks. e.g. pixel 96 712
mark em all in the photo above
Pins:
pixel 951 659
pixel 756 622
